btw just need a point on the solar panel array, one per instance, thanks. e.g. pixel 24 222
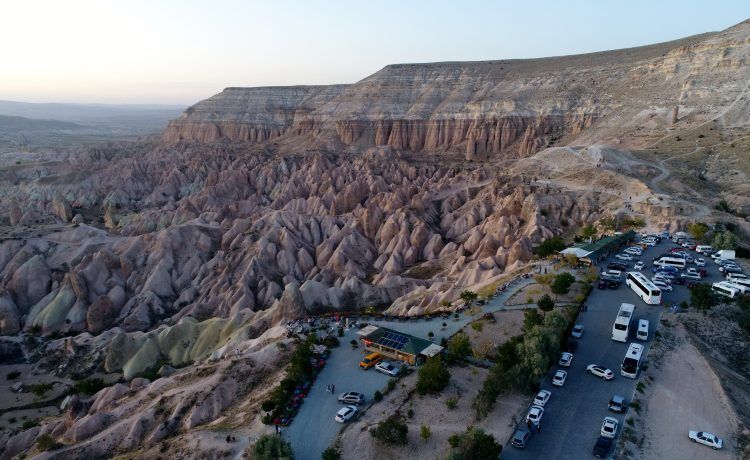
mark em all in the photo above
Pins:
pixel 393 340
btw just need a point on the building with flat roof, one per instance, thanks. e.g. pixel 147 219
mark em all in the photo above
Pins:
pixel 397 345
pixel 601 248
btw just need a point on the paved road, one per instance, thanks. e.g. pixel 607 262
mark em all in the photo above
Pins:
pixel 573 415
pixel 314 429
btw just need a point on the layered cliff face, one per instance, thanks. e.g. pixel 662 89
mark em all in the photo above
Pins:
pixel 484 108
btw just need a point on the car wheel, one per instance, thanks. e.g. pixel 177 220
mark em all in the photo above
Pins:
pixel 693 440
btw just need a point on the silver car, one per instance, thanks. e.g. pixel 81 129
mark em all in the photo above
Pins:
pixel 351 397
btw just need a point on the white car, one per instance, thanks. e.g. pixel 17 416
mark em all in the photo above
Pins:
pixel 624 257
pixel 639 266
pixel 566 359
pixel 691 276
pixel 662 285
pixel 577 331
pixel 345 414
pixel 661 279
pixel 600 371
pixel 609 427
pixel 534 415
pixel 633 251
pixel 559 378
pixel 706 438
pixel 387 368
pixel 649 242
pixel 700 262
pixel 541 398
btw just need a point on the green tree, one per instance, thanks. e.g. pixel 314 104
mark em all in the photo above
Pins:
pixel 474 444
pixel 469 296
pixel 724 240
pixel 458 346
pixel 550 246
pixel 272 447
pixel 561 284
pixel 701 297
pixel 545 303
pixel 331 454
pixel 391 431
pixel 698 230
pixel 588 231
pixel 46 442
pixel 433 376
pixel 531 318
pixel 425 432
pixel 608 223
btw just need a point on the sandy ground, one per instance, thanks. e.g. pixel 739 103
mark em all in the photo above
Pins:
pixel 535 290
pixel 486 335
pixel 355 442
pixel 685 395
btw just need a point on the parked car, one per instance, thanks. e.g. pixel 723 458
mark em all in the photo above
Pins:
pixel 387 368
pixel 534 415
pixel 634 250
pixel 542 397
pixel 565 359
pixel 571 346
pixel 667 269
pixel 602 447
pixel 679 281
pixel 609 427
pixel 520 437
pixel 691 276
pixel 577 331
pixel 618 404
pixel 617 266
pixel 345 414
pixel 600 371
pixel 639 266
pixel 370 360
pixel 706 439
pixel 662 279
pixel 352 397
pixel 559 378
pixel 665 274
pixel 700 262
pixel 662 285
pixel 626 257
pixel 613 284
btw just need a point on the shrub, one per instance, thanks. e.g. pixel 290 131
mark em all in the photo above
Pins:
pixel 89 386
pixel 701 297
pixel 410 413
pixel 433 376
pixel 391 431
pixel 562 283
pixel 451 402
pixel 425 432
pixel 636 406
pixel 550 246
pixel 459 346
pixel 29 424
pixel 12 375
pixel 545 303
pixel 477 326
pixel 272 447
pixel 640 387
pixel 354 343
pixel 331 454
pixel 390 385
pixel 40 389
pixel 268 405
pixel 46 442
pixel 474 444
pixel 630 421
pixel 377 396
pixel 430 335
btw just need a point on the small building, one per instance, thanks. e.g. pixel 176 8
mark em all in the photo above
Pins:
pixel 397 345
pixel 600 249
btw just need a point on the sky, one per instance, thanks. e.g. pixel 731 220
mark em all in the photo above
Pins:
pixel 182 51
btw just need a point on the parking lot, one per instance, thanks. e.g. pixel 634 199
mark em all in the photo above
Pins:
pixel 573 416
pixel 314 429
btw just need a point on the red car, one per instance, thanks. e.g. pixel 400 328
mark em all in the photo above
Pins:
pixel 677 249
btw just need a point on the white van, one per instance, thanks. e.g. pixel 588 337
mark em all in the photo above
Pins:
pixel 744 288
pixel 642 333
pixel 702 247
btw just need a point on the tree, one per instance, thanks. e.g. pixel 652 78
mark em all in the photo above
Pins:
pixel 561 284
pixel 46 442
pixel 550 246
pixel 474 444
pixel 724 240
pixel 545 303
pixel 268 405
pixel 331 454
pixel 701 297
pixel 425 432
pixel 391 431
pixel 698 230
pixel 430 335
pixel 469 296
pixel 458 346
pixel 531 318
pixel 272 447
pixel 588 231
pixel 544 279
pixel 608 223
pixel 433 376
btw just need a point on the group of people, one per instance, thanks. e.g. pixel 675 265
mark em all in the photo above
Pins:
pixel 331 388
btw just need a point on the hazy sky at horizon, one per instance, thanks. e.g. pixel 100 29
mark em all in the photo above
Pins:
pixel 181 51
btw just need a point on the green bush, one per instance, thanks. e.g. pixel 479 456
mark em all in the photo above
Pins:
pixel 451 402
pixel 46 442
pixel 545 303
pixel 29 424
pixel 272 447
pixel 561 284
pixel 425 432
pixel 550 246
pixel 89 386
pixel 331 454
pixel 458 347
pixel 40 389
pixel 12 375
pixel 390 385
pixel 474 444
pixel 391 431
pixel 433 376
pixel 378 396
pixel 701 297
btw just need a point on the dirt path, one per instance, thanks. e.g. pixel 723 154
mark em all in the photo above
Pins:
pixel 686 395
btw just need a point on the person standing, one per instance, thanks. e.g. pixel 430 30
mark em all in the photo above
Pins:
pixel 333 388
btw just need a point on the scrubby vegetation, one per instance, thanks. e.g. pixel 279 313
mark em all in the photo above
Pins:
pixel 272 447
pixel 89 386
pixel 433 376
pixel 474 444
pixel 391 431
pixel 550 246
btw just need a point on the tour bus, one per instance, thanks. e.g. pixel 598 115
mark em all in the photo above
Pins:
pixel 676 262
pixel 726 291
pixel 621 328
pixel 644 288
pixel 632 361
